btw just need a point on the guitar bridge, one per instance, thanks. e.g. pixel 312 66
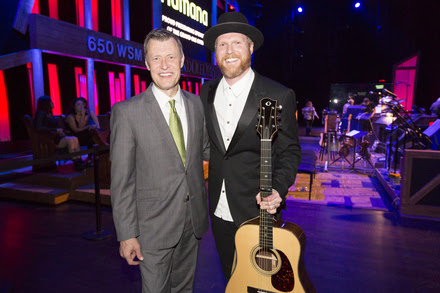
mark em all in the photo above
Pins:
pixel 256 290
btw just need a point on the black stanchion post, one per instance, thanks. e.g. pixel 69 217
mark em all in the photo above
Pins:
pixel 99 234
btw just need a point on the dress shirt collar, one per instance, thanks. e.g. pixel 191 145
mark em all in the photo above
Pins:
pixel 163 99
pixel 240 85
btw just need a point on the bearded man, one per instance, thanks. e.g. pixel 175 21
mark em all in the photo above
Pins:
pixel 231 109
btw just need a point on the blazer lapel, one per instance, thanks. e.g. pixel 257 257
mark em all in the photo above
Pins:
pixel 189 108
pixel 248 117
pixel 212 118
pixel 153 109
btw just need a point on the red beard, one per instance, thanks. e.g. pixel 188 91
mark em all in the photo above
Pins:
pixel 233 72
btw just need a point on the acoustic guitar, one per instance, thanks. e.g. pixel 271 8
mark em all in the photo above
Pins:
pixel 269 255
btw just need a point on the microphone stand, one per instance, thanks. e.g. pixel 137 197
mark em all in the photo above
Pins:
pixel 412 128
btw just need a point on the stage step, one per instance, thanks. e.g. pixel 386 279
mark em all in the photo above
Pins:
pixel 33 193
pixel 64 178
pixel 87 194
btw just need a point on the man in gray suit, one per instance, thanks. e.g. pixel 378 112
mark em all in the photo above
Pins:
pixel 158 144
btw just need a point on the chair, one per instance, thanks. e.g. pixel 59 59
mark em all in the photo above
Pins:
pixel 42 143
pixel 104 121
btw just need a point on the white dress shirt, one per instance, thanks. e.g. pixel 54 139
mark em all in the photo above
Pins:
pixel 163 99
pixel 229 104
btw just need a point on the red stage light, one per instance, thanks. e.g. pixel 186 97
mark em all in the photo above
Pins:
pixel 111 84
pixel 117 18
pixel 122 90
pixel 137 90
pixel 53 9
pixel 31 86
pixel 78 71
pixel 54 88
pixel 36 8
pixel 95 15
pixel 80 19
pixel 5 133
pixel 96 94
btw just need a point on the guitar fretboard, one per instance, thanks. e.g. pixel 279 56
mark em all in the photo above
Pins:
pixel 266 219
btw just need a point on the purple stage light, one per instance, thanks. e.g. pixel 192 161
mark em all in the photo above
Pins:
pixel 300 9
pixel 357 5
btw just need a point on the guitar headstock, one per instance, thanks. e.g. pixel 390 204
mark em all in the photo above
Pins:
pixel 267 125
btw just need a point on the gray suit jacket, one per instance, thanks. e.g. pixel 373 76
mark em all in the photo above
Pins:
pixel 150 186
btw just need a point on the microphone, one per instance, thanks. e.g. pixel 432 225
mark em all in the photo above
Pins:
pixel 389 93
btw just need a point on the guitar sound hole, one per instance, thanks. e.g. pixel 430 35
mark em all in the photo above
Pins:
pixel 266 260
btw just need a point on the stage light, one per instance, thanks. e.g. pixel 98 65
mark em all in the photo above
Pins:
pixel 300 9
pixel 357 5
pixel 335 101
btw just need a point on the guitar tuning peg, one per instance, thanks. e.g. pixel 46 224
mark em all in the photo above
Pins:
pixel 280 107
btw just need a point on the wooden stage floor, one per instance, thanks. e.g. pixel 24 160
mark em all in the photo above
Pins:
pixel 349 249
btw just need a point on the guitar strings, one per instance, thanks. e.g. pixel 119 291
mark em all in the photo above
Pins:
pixel 265 259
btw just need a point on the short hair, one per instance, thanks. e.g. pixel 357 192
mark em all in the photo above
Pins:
pixel 77 100
pixel 44 103
pixel 249 40
pixel 161 35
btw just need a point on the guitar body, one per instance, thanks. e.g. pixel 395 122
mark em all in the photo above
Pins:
pixel 280 269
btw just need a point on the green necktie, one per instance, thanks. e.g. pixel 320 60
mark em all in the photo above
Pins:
pixel 177 130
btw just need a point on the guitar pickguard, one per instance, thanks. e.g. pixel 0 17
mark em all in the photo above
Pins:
pixel 284 279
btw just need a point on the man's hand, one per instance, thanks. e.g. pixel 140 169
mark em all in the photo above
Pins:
pixel 129 249
pixel 270 203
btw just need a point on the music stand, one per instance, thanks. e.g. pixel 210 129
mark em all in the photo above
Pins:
pixel 355 135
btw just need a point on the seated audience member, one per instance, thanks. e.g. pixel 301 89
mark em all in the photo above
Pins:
pixel 44 120
pixel 81 120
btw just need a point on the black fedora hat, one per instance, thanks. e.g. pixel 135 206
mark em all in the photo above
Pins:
pixel 232 22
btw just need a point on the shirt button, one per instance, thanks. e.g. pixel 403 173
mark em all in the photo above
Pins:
pixel 227 139
pixel 227 122
pixel 230 105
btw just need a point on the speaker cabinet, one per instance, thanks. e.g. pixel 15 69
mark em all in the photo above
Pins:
pixel 420 185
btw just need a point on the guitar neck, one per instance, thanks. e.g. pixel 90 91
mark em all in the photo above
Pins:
pixel 266 219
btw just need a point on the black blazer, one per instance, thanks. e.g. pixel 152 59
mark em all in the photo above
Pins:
pixel 239 165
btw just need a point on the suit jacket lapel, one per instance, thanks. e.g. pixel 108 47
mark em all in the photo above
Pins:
pixel 153 109
pixel 248 117
pixel 189 108
pixel 212 118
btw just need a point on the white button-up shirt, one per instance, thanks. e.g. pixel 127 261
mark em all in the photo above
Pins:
pixel 165 107
pixel 229 104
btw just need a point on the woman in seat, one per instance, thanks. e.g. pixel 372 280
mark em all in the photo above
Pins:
pixel 81 120
pixel 44 120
